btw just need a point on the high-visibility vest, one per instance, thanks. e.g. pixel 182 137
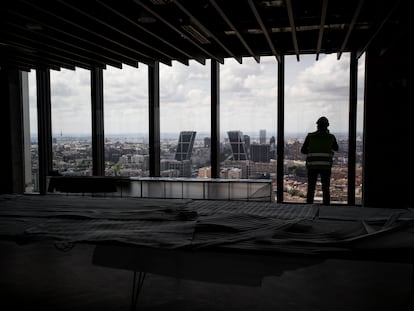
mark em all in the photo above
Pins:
pixel 320 152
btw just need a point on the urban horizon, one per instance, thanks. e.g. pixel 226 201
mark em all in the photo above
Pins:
pixel 172 135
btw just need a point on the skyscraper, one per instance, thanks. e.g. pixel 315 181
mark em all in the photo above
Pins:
pixel 185 145
pixel 262 136
pixel 272 147
pixel 237 144
pixel 260 153
pixel 246 139
pixel 207 142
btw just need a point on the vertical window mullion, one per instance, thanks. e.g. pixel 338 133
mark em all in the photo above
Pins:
pixel 44 117
pixel 280 127
pixel 215 119
pixel 353 87
pixel 154 118
pixel 98 157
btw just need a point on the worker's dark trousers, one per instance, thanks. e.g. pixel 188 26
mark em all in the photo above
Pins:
pixel 325 181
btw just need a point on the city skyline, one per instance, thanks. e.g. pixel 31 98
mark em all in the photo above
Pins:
pixel 174 136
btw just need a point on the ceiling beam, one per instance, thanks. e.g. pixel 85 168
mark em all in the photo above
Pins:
pixel 37 62
pixel 58 56
pixel 20 65
pixel 112 60
pixel 39 37
pixel 264 29
pixel 204 28
pixel 293 27
pixel 182 34
pixel 322 27
pixel 139 56
pixel 379 28
pixel 165 58
pixel 351 27
pixel 236 31
pixel 142 28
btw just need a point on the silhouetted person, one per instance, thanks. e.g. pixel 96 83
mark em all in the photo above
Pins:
pixel 319 147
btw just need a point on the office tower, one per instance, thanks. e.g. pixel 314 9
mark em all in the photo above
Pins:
pixel 262 136
pixel 207 142
pixel 246 139
pixel 272 147
pixel 185 145
pixel 237 144
pixel 183 168
pixel 260 153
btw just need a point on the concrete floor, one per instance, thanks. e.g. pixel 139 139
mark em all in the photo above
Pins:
pixel 41 277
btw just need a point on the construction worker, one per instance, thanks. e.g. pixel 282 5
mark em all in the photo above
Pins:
pixel 319 147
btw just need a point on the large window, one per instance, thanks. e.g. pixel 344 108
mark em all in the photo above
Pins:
pixel 248 121
pixel 314 89
pixel 71 122
pixel 30 131
pixel 248 112
pixel 185 120
pixel 360 129
pixel 126 121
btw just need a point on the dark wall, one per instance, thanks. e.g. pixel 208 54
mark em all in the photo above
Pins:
pixel 389 127
pixel 11 116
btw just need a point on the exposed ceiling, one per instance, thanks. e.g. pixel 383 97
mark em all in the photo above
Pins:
pixel 95 33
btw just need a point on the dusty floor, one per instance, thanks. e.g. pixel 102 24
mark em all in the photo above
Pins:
pixel 41 277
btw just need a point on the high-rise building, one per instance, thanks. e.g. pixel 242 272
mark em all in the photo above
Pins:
pixel 272 147
pixel 260 153
pixel 262 136
pixel 207 142
pixel 182 167
pixel 246 139
pixel 185 145
pixel 237 144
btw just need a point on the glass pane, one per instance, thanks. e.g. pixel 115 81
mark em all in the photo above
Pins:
pixel 248 115
pixel 126 121
pixel 185 119
pixel 314 89
pixel 30 125
pixel 71 122
pixel 360 130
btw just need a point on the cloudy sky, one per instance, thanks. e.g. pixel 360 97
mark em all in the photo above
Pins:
pixel 248 96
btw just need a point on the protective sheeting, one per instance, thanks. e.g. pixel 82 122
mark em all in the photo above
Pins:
pixel 205 224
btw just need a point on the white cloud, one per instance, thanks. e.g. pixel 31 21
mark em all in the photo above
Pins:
pixel 248 96
pixel 322 88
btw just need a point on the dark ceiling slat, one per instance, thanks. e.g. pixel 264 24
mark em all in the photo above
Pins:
pixel 143 58
pixel 23 66
pixel 70 53
pixel 201 26
pixel 135 24
pixel 379 28
pixel 165 58
pixel 30 62
pixel 51 55
pixel 293 27
pixel 351 27
pixel 37 60
pixel 79 43
pixel 49 63
pixel 236 31
pixel 182 34
pixel 322 28
pixel 264 29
